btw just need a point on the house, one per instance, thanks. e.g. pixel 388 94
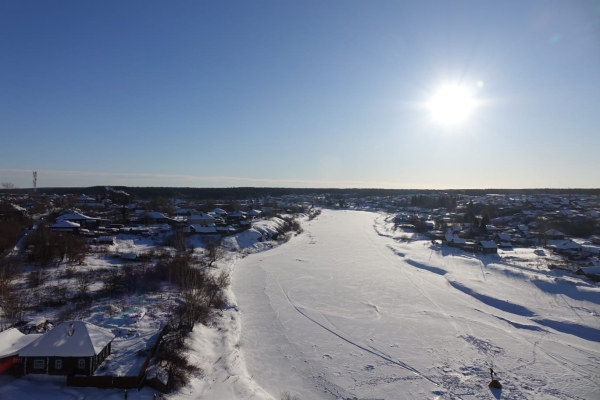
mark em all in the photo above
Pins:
pixel 453 240
pixel 78 218
pixel 220 212
pixel 236 217
pixel 65 226
pixel 565 247
pixel 429 225
pixel 254 213
pixel 491 228
pixel 71 348
pixel 201 219
pixel 502 237
pixel 553 234
pixel 11 342
pixel 195 228
pixel 486 247
pixel 591 272
pixel 83 199
pixel 153 217
pixel 106 240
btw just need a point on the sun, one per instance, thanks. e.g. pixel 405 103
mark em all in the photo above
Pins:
pixel 451 105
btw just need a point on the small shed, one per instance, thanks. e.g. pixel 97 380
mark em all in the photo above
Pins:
pixel 106 240
pixel 486 247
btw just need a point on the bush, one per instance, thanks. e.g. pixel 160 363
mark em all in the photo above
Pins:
pixel 176 365
pixel 288 396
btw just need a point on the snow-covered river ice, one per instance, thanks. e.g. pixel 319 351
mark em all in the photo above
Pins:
pixel 348 310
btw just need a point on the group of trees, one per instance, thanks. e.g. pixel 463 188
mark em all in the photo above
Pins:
pixel 45 247
pixel 434 201
pixel 11 301
pixel 201 289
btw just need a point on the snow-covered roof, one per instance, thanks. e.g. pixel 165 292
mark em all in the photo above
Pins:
pixel 488 244
pixel 12 340
pixel 154 215
pixel 86 340
pixel 219 211
pixel 236 213
pixel 554 232
pixel 567 245
pixel 65 224
pixel 254 212
pixel 591 270
pixel 73 217
pixel 36 322
pixel 202 217
pixel 505 237
pixel 195 228
pixel 17 208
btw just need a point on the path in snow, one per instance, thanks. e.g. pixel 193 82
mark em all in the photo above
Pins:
pixel 347 311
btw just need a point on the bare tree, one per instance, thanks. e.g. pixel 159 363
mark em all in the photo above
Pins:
pixel 178 368
pixel 8 187
pixel 60 292
pixel 214 252
pixel 76 249
pixel 83 281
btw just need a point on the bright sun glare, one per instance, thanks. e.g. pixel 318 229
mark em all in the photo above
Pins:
pixel 451 105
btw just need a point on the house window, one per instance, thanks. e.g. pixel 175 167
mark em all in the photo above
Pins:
pixel 39 363
pixel 58 363
pixel 81 363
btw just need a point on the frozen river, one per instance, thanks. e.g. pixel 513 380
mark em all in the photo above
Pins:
pixel 346 310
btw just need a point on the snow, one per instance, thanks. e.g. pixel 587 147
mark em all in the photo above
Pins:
pixel 12 340
pixel 85 340
pixel 65 224
pixel 353 308
pixel 256 238
pixel 346 311
pixel 200 218
pixel 73 217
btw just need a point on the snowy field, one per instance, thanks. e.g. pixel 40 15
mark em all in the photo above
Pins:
pixel 352 310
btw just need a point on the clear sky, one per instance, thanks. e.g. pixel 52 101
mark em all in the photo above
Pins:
pixel 299 93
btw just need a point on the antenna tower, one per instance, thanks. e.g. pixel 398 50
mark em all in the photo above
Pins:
pixel 34 182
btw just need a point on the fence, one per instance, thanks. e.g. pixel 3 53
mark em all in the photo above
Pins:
pixel 118 382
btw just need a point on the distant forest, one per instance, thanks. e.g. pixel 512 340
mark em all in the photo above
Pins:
pixel 240 193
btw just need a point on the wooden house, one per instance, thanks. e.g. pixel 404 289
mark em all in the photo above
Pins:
pixel 71 348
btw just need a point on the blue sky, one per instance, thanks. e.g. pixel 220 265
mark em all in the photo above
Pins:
pixel 299 93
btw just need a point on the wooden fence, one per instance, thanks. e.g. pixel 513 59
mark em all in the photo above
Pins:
pixel 118 382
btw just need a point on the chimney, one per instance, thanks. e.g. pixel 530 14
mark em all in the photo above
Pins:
pixel 71 330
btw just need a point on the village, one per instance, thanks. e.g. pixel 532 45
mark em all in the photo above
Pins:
pixel 113 280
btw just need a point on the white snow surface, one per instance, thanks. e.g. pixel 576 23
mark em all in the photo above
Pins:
pixel 348 310
pixel 12 340
pixel 256 238
pixel 84 340
pixel 352 309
